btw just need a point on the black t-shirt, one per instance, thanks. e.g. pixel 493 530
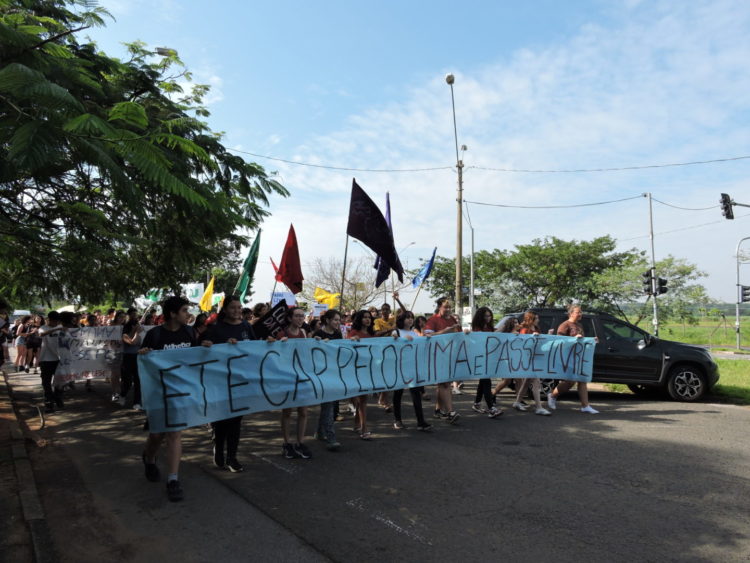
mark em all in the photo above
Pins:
pixel 322 334
pixel 160 338
pixel 221 332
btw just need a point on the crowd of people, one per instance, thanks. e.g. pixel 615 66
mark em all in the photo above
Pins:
pixel 176 327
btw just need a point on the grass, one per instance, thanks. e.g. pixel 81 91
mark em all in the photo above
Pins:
pixel 733 386
pixel 713 333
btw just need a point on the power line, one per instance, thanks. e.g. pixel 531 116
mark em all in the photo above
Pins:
pixel 540 171
pixel 619 169
pixel 342 168
pixel 683 228
pixel 685 208
pixel 555 206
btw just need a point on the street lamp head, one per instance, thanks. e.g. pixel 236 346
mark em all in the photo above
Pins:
pixel 450 79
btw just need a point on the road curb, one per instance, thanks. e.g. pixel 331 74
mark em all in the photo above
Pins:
pixel 31 505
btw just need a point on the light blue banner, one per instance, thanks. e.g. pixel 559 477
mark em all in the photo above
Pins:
pixel 192 386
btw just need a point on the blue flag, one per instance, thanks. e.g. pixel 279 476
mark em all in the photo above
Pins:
pixel 424 273
pixel 384 269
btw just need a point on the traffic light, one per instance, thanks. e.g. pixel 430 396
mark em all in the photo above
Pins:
pixel 745 297
pixel 648 282
pixel 726 206
pixel 661 286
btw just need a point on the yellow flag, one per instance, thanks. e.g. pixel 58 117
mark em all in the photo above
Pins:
pixel 330 299
pixel 207 300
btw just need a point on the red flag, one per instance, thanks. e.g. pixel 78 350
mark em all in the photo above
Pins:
pixel 290 270
pixel 275 270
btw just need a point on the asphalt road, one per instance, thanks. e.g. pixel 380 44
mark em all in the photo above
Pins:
pixel 644 480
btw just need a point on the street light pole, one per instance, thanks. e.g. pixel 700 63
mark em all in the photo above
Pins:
pixel 450 79
pixel 654 279
pixel 739 295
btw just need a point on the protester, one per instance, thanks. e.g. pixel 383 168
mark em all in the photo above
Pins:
pixel 299 449
pixel 572 327
pixel 259 310
pixel 483 322
pixel 49 358
pixel 33 343
pixel 529 325
pixel 509 325
pixel 404 324
pixel 114 362
pixel 132 333
pixel 329 330
pixel 384 325
pixel 443 322
pixel 361 328
pixel 200 324
pixel 229 328
pixel 173 333
pixel 4 335
pixel 22 329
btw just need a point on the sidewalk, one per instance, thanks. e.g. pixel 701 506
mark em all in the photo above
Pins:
pixel 93 501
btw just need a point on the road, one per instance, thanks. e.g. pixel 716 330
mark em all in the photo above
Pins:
pixel 643 480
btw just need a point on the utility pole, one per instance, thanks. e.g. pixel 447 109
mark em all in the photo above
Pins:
pixel 653 263
pixel 450 79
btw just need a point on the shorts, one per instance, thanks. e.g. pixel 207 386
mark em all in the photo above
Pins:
pixel 20 341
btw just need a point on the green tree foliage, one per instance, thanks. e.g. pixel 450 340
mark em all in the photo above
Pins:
pixel 551 272
pixel 110 179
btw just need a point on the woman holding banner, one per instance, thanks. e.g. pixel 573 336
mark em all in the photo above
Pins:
pixel 443 322
pixel 572 327
pixel 298 450
pixel 483 321
pixel 529 326
pixel 329 330
pixel 229 328
pixel 362 327
pixel 404 324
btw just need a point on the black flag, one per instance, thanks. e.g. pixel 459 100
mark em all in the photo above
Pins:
pixel 367 224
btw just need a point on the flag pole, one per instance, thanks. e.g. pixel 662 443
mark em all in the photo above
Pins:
pixel 415 297
pixel 343 272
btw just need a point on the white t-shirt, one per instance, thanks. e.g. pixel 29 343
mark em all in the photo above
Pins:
pixel 50 344
pixel 404 333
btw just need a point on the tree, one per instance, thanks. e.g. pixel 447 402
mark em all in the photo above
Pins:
pixel 548 272
pixel 359 285
pixel 111 180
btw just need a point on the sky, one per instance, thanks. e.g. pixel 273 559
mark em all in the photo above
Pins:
pixel 540 90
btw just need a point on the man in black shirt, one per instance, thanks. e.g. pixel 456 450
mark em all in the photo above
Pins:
pixel 174 333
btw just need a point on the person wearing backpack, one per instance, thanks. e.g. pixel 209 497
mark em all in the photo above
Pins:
pixel 173 333
pixel 230 328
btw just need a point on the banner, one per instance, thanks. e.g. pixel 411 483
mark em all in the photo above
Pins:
pixel 273 322
pixel 287 296
pixel 87 352
pixel 193 291
pixel 193 386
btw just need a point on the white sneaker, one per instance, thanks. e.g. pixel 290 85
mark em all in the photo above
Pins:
pixel 137 407
pixel 589 409
pixel 456 391
pixel 494 412
pixel 520 407
pixel 115 397
pixel 542 411
pixel 551 402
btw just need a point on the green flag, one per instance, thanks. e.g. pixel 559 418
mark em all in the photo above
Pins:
pixel 248 270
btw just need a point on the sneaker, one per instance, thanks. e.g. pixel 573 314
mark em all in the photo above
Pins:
pixel 542 411
pixel 398 425
pixel 287 450
pixel 338 417
pixel 174 491
pixel 520 407
pixel 152 470
pixel 424 427
pixel 439 414
pixel 235 466
pixel 332 445
pixel 137 407
pixel 456 391
pixel 494 412
pixel 453 417
pixel 302 451
pixel 219 459
pixel 477 407
pixel 551 402
pixel 589 409
pixel 26 369
pixel 115 397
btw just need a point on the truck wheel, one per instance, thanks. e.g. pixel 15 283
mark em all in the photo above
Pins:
pixel 686 383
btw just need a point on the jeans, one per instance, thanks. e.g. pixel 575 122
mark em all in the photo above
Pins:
pixel 48 372
pixel 325 422
pixel 484 389
pixel 227 431
pixel 129 377
pixel 416 399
